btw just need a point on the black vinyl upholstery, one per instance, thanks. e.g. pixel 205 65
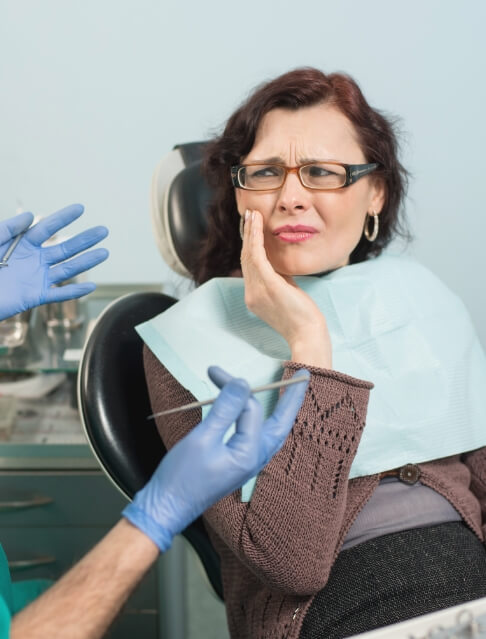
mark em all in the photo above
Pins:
pixel 114 405
pixel 189 196
pixel 191 151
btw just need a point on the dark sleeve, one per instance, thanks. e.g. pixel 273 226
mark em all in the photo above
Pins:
pixel 476 462
pixel 288 534
pixel 166 392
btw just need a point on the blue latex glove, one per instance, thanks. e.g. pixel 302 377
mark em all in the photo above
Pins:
pixel 201 469
pixel 32 270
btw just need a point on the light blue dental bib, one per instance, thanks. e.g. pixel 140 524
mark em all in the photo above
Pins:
pixel 391 322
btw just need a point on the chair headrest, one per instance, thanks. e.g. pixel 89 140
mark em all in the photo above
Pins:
pixel 179 199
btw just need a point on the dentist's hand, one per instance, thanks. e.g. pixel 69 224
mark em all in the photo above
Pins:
pixel 201 469
pixel 28 279
pixel 279 302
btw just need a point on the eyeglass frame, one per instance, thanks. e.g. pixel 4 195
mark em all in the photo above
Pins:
pixel 354 172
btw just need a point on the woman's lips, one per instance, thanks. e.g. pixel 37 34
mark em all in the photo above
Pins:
pixel 297 233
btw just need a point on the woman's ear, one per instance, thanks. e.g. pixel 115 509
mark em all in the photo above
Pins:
pixel 378 195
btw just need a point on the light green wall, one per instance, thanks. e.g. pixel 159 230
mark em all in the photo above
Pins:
pixel 95 92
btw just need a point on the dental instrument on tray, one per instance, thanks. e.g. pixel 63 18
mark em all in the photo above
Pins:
pixel 257 389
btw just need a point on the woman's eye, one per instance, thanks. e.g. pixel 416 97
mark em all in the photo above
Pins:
pixel 318 171
pixel 266 171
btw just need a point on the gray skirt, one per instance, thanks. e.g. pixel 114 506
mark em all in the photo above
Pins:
pixel 396 577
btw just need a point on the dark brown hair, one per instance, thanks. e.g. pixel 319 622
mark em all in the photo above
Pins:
pixel 220 251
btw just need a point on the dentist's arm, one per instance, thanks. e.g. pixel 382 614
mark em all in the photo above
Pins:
pixel 198 471
pixel 32 269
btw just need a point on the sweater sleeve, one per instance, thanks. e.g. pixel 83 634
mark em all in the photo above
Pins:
pixel 288 534
pixel 476 462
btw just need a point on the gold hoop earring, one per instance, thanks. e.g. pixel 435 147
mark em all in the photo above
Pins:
pixel 242 226
pixel 371 237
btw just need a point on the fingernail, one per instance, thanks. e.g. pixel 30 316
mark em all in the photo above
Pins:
pixel 247 214
pixel 252 215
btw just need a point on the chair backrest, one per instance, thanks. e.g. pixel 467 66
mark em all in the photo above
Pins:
pixel 114 405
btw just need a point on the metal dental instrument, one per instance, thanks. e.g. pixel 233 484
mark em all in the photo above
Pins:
pixel 12 248
pixel 257 389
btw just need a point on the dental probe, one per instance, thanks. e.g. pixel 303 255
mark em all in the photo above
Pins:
pixel 257 389
pixel 12 247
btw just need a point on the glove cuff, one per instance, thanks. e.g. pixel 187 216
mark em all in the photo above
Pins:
pixel 157 533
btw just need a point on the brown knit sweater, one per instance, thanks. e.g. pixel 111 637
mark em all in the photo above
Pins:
pixel 277 550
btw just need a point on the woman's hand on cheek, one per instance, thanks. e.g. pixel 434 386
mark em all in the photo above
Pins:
pixel 280 303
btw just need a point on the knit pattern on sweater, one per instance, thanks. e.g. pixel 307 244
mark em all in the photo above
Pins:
pixel 277 550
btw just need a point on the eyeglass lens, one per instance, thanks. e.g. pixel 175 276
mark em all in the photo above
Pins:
pixel 270 176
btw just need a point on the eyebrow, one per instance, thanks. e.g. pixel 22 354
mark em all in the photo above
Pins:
pixel 274 160
pixel 278 160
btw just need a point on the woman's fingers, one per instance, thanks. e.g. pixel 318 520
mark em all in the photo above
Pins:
pixel 245 250
pixel 279 302
pixel 274 298
pixel 261 281
pixel 254 254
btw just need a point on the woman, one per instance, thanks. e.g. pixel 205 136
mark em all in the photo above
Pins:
pixel 307 172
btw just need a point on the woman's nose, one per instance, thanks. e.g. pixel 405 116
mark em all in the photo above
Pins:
pixel 293 197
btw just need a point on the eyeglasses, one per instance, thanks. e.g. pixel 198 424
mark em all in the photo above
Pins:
pixel 322 176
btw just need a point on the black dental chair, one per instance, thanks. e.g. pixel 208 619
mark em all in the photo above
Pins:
pixel 112 394
pixel 179 198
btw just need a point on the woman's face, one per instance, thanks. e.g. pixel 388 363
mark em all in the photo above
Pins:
pixel 334 219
